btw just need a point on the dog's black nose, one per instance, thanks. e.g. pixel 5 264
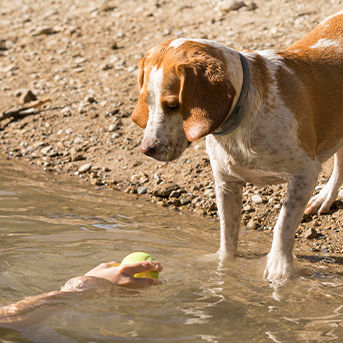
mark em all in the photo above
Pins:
pixel 147 150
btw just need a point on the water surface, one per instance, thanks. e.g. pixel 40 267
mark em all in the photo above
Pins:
pixel 53 228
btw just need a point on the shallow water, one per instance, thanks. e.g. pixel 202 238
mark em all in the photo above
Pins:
pixel 53 228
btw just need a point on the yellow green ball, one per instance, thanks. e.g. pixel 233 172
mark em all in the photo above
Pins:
pixel 139 257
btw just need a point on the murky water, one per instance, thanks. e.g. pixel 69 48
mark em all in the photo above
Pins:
pixel 52 229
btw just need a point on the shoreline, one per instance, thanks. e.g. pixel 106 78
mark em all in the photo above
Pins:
pixel 85 58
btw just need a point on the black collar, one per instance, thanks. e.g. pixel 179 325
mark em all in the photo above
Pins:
pixel 236 116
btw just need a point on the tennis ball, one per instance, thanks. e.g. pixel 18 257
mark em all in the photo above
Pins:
pixel 139 257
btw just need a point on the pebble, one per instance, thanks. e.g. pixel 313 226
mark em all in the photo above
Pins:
pixel 76 155
pixel 184 201
pixel 96 182
pixel 142 190
pixel 340 193
pixel 85 168
pixel 45 150
pixel 213 207
pixel 175 194
pixel 69 131
pixel 27 96
pixel 210 193
pixel 252 6
pixel 257 199
pixel 113 127
pixel 89 99
pixel 162 203
pixel 78 140
pixel 114 45
pixel 251 224
pixel 227 6
pixel 311 233
pixel 164 190
pixel 247 208
pixel 45 30
pixel 66 111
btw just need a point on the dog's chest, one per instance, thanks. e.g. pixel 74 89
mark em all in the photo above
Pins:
pixel 241 163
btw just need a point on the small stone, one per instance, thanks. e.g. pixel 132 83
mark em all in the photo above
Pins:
pixel 306 218
pixel 76 155
pixel 247 208
pixel 45 30
pixel 213 207
pixel 311 233
pixel 78 70
pixel 114 45
pixel 27 96
pixel 45 150
pixel 210 193
pixel 185 201
pixel 252 224
pixel 340 193
pixel 175 194
pixel 78 140
pixel 3 45
pixel 257 199
pixel 66 111
pixel 227 6
pixel 113 127
pixel 105 66
pixel 142 190
pixel 89 99
pixel 96 182
pixel 69 131
pixel 85 168
pixel 107 7
pixel 251 6
pixel 164 190
pixel 162 203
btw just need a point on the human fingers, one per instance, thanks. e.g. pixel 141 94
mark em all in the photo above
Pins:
pixel 135 283
pixel 144 266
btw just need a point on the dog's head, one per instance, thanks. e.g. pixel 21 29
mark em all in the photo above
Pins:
pixel 186 92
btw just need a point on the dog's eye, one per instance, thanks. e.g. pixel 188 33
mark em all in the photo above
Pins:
pixel 173 106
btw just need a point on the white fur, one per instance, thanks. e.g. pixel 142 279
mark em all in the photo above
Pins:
pixel 166 132
pixel 325 43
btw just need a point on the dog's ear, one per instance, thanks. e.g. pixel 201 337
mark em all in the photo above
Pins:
pixel 206 96
pixel 140 114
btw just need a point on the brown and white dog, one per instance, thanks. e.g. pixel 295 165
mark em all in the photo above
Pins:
pixel 268 116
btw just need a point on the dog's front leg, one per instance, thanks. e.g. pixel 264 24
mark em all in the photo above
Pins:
pixel 300 188
pixel 229 202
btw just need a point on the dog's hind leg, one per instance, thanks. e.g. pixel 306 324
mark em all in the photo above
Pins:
pixel 300 188
pixel 322 202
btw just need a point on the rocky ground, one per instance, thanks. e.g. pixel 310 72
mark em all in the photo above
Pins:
pixel 84 57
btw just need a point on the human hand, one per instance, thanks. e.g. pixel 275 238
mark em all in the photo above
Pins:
pixel 123 275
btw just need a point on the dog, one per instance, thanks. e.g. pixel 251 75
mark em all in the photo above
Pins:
pixel 269 117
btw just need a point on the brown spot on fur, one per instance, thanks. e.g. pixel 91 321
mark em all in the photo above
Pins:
pixel 261 78
pixel 315 94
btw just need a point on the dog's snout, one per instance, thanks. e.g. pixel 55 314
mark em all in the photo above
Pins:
pixel 148 150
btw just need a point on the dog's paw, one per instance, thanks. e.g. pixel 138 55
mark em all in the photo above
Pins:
pixel 279 267
pixel 321 202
